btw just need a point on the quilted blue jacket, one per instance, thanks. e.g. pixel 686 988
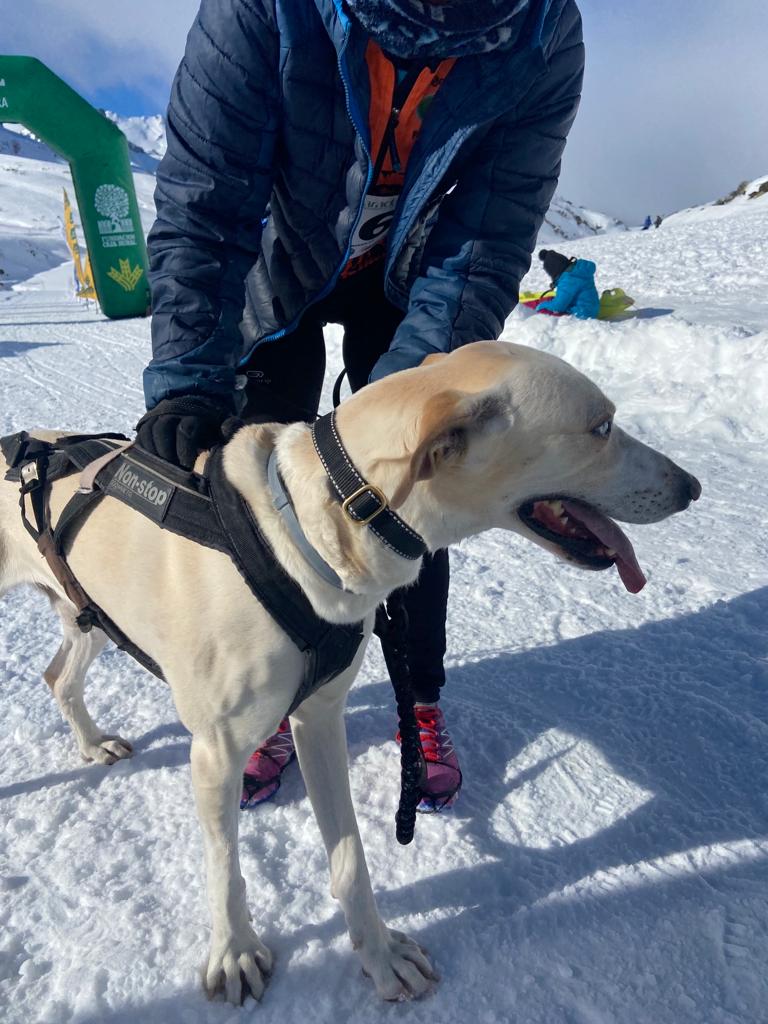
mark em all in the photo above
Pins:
pixel 576 292
pixel 269 161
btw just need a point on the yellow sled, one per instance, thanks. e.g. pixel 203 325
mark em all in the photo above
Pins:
pixel 614 302
pixel 534 296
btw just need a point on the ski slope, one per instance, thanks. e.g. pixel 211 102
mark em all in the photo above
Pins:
pixel 607 862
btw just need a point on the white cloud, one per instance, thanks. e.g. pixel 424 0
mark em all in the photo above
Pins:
pixel 95 45
pixel 673 113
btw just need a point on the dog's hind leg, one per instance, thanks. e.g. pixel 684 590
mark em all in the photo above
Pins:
pixel 396 964
pixel 66 677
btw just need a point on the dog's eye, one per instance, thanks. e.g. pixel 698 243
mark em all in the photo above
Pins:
pixel 603 430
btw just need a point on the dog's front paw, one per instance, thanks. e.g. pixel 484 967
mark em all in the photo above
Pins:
pixel 238 969
pixel 398 967
pixel 106 749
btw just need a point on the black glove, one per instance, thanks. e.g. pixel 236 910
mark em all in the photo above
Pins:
pixel 178 429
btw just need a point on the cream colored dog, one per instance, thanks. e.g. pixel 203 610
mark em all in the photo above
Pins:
pixel 493 435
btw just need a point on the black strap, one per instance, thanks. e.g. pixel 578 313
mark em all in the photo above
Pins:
pixel 400 94
pixel 391 629
pixel 336 397
pixel 22 447
pixel 37 463
pixel 33 487
pixel 362 502
pixel 72 517
pixel 329 648
pixel 176 499
pixel 206 509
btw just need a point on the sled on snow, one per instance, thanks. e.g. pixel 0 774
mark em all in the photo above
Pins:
pixel 614 303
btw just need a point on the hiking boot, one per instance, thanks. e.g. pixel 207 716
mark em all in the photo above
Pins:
pixel 261 779
pixel 442 779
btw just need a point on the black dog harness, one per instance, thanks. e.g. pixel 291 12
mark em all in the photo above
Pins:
pixel 204 508
pixel 208 509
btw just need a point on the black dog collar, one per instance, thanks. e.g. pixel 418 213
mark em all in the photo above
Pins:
pixel 362 503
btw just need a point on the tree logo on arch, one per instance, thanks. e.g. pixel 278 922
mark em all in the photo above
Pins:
pixel 111 201
pixel 116 229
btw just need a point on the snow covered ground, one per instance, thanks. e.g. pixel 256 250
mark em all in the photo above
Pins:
pixel 607 862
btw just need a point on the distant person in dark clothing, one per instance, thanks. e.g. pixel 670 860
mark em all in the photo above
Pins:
pixel 657 222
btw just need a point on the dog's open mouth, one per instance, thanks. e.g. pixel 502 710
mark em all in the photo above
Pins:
pixel 585 536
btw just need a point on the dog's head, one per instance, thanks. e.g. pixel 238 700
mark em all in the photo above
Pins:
pixel 501 435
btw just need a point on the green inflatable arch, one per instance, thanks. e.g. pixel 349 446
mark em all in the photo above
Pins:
pixel 97 152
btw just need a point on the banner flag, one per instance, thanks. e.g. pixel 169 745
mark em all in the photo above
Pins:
pixel 83 276
pixel 88 290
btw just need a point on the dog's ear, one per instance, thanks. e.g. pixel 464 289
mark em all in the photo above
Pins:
pixel 444 432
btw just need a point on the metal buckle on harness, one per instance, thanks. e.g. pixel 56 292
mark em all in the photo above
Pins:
pixel 377 494
pixel 29 475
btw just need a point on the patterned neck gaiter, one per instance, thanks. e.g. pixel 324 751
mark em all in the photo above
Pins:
pixel 455 28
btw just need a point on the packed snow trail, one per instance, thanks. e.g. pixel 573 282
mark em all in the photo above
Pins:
pixel 607 860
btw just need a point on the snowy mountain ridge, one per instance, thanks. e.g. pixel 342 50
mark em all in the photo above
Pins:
pixel 749 197
pixel 144 134
pixel 566 221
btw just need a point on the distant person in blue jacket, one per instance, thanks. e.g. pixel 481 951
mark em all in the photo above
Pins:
pixel 574 283
pixel 647 222
pixel 380 164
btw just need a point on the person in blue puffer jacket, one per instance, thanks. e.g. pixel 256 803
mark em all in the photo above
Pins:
pixel 574 281
pixel 381 164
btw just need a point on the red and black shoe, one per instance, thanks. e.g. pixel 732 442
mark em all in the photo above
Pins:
pixel 442 780
pixel 261 779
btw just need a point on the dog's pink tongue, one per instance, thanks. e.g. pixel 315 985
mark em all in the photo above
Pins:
pixel 612 536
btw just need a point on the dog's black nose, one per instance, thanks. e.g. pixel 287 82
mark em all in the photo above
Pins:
pixel 694 487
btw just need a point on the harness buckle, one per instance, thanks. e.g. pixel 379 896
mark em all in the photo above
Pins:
pixel 29 475
pixel 376 493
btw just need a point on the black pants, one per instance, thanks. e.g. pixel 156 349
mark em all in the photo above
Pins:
pixel 285 379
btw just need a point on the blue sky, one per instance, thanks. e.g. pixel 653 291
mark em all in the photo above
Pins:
pixel 673 111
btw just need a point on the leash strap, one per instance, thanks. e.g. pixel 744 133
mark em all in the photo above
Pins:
pixel 362 503
pixel 336 397
pixel 390 627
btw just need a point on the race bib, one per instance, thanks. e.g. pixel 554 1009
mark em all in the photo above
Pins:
pixel 374 223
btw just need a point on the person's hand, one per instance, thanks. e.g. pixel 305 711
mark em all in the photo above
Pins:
pixel 178 429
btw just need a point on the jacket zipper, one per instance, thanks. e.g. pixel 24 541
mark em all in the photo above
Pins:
pixel 400 94
pixel 333 281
